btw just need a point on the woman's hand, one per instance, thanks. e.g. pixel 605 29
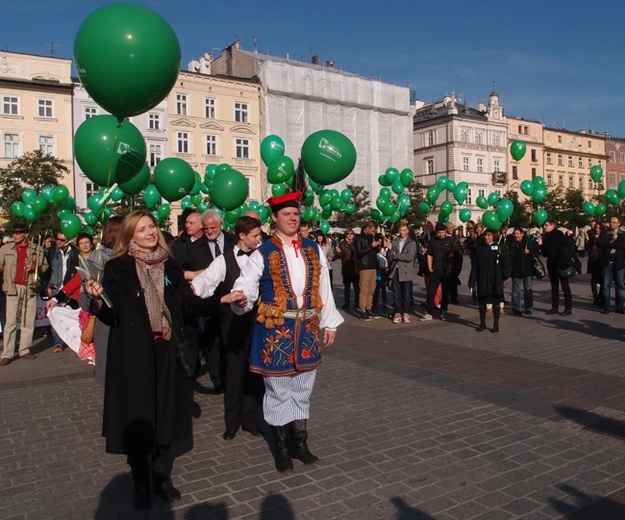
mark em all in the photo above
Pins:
pixel 50 304
pixel 236 297
pixel 94 289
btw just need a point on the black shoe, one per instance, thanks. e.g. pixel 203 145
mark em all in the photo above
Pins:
pixel 495 330
pixel 229 435
pixel 517 313
pixel 527 313
pixel 299 447
pixel 345 307
pixel 619 311
pixel 443 316
pixel 365 316
pixel 552 311
pixel 165 488
pixel 142 499
pixel 454 302
pixel 566 312
pixel 374 315
pixel 218 389
pixel 281 452
pixel 253 431
pixel 604 311
pixel 480 328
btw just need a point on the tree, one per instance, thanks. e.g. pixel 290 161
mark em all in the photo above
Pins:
pixel 32 170
pixel 520 216
pixel 363 205
pixel 416 218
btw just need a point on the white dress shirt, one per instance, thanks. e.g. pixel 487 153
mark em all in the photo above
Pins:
pixel 205 284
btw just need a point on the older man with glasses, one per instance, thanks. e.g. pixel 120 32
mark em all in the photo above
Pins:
pixel 19 260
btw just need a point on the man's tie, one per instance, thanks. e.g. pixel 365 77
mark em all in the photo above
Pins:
pixel 216 244
pixel 240 252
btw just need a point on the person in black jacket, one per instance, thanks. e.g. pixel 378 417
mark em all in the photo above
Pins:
pixel 612 246
pixel 148 294
pixel 558 250
pixel 522 250
pixel 491 264
pixel 366 253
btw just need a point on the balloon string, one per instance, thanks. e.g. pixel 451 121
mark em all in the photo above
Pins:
pixel 115 143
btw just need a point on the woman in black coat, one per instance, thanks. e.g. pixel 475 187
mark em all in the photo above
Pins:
pixel 491 265
pixel 147 291
pixel 558 249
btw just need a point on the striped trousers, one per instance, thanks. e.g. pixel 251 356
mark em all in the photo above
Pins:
pixel 287 398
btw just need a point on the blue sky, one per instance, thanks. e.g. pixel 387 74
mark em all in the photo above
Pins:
pixel 558 62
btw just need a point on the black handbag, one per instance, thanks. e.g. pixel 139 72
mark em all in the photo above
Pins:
pixel 538 268
pixel 184 353
pixel 567 272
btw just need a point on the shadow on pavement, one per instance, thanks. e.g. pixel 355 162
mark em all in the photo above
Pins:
pixel 405 512
pixel 594 422
pixel 276 506
pixel 588 507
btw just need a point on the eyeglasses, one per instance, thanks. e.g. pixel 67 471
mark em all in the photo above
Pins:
pixel 61 239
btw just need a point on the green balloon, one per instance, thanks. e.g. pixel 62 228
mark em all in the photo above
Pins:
pixel 173 178
pixel 596 172
pixel 326 213
pixel 346 195
pixel 461 192
pixel 540 216
pixel 383 181
pixel 70 225
pixel 196 199
pixel 309 198
pixel 527 187
pixel 350 209
pixel 280 169
pixel 600 209
pixel 391 174
pixel 517 149
pixel 441 182
pixel 397 187
pixel 29 214
pixel 127 57
pixel 612 197
pixel 324 227
pixel 39 205
pixel 451 186
pixel 328 156
pixel 385 193
pixel 228 189
pixel 376 214
pixel 271 148
pixel 482 202
pixel 263 213
pixel 117 194
pixel 493 198
pixel 432 194
pixel 108 151
pixel 380 202
pixel 389 209
pixel 539 194
pixel 424 207
pixel 60 194
pixel 163 210
pixel 491 220
pixel 151 196
pixel 447 207
pixel 278 189
pixel 17 208
pixel 505 208
pixel 47 192
pixel 196 185
pixel 589 208
pixel 336 203
pixel 91 218
pixel 465 215
pixel 209 173
pixel 406 176
pixel 138 183
pixel 621 189
pixel 28 195
pixel 538 181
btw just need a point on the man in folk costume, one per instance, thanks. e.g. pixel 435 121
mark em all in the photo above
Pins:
pixel 296 319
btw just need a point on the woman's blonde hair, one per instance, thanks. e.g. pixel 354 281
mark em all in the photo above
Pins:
pixel 127 230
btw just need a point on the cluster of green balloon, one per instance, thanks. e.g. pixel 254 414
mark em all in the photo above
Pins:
pixel 392 203
pixel 328 156
pixel 228 188
pixel 460 192
pixel 33 204
pixel 396 180
pixel 127 57
pixel 280 168
pixel 518 149
pixel 331 200
pixel 591 209
pixel 535 189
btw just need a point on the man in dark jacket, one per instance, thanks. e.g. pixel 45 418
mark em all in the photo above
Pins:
pixel 558 250
pixel 612 246
pixel 349 269
pixel 522 264
pixel 366 252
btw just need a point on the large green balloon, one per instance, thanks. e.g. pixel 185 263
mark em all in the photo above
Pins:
pixel 505 208
pixel 406 176
pixel 589 208
pixel 465 215
pixel 280 169
pixel 540 216
pixel 517 149
pixel 70 225
pixel 127 57
pixel 596 172
pixel 173 178
pixel 461 192
pixel 151 196
pixel 228 189
pixel 527 187
pixel 328 156
pixel 491 220
pixel 138 183
pixel 432 194
pixel 482 202
pixel 600 209
pixel 538 181
pixel 612 197
pixel 271 148
pixel 539 194
pixel 108 151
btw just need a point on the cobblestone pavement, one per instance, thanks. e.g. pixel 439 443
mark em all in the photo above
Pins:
pixel 414 421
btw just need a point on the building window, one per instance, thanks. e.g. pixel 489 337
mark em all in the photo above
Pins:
pixel 560 160
pixel 90 112
pixel 548 159
pixel 580 162
pixel 10 106
pixel 154 121
pixel 46 144
pixel 570 161
pixel 496 139
pixel 242 148
pixel 589 143
pixel 560 139
pixel 480 165
pixel 589 163
pixel 613 156
pixel 464 135
pixel 481 193
pixel 612 180
pixel 430 138
pixel 211 145
pixel 44 107
pixel 429 166
pixel 181 104
pixel 590 184
pixel 549 180
pixel 533 153
pixel 465 164
pixel 241 112
pixel 183 142
pixel 571 182
pixel 515 172
pixel 581 183
pixel 91 188
pixel 533 173
pixel 623 158
pixel 469 200
pixel 11 145
pixel 478 137
pixel 209 108
pixel 496 165
pixel 155 155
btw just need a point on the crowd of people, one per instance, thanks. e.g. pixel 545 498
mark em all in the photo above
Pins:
pixel 259 309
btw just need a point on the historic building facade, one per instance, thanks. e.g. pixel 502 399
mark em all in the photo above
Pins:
pixel 615 170
pixel 531 165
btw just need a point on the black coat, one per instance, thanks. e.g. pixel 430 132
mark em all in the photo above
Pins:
pixel 522 263
pixel 489 266
pixel 142 376
pixel 558 249
pixel 192 256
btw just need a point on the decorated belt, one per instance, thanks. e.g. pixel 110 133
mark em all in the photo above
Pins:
pixel 300 314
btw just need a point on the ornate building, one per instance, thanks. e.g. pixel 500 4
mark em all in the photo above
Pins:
pixel 531 165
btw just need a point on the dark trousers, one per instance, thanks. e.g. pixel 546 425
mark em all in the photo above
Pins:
pixel 401 294
pixel 356 285
pixel 380 290
pixel 437 278
pixel 557 282
pixel 212 347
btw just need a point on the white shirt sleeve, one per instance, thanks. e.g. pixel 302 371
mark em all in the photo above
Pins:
pixel 208 280
pixel 330 317
pixel 248 282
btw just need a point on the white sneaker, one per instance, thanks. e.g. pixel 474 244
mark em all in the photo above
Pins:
pixel 426 317
pixel 397 318
pixel 405 318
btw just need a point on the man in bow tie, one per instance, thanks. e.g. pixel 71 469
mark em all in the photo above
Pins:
pixel 296 318
pixel 242 390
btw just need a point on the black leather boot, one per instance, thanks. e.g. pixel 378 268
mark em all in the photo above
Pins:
pixel 299 448
pixel 141 478
pixel 161 471
pixel 281 451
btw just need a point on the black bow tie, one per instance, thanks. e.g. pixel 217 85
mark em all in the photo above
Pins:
pixel 240 252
